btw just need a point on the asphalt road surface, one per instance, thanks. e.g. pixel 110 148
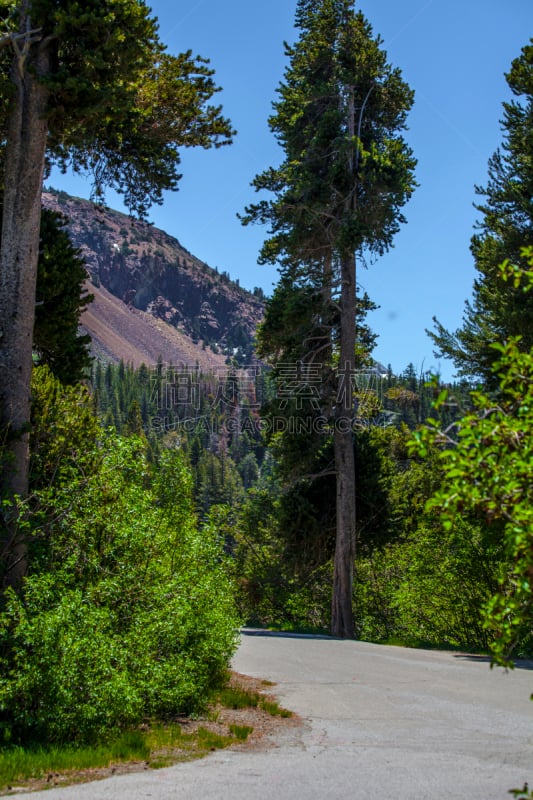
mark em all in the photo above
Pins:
pixel 379 723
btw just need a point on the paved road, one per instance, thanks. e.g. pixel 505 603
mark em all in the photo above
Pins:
pixel 379 723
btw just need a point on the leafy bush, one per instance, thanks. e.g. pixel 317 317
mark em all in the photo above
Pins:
pixel 376 581
pixel 64 675
pixel 430 588
pixel 128 612
pixel 487 463
pixel 447 577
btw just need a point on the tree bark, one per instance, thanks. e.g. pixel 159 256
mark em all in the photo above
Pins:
pixel 342 618
pixel 19 250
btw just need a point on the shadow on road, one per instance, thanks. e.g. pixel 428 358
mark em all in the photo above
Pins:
pixel 286 634
pixel 520 663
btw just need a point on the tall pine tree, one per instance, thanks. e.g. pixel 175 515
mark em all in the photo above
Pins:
pixel 337 197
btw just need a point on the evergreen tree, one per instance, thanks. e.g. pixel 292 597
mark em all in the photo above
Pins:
pixel 134 422
pixel 219 482
pixel 500 310
pixel 89 87
pixel 337 196
pixel 60 301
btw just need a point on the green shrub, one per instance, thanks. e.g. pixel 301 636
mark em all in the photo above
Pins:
pixel 447 577
pixel 65 676
pixel 128 612
pixel 430 588
pixel 377 576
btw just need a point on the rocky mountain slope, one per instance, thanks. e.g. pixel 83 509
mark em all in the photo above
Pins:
pixel 152 296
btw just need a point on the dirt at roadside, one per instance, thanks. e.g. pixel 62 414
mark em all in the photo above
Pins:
pixel 217 720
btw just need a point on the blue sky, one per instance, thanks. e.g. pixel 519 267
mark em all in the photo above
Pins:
pixel 453 53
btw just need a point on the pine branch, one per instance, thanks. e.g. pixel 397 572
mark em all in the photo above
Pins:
pixel 27 38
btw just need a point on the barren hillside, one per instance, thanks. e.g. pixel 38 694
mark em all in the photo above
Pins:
pixel 152 297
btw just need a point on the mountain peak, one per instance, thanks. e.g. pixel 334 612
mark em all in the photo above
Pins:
pixel 153 298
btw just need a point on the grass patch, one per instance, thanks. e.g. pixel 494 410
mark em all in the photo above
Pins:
pixel 213 741
pixel 157 745
pixel 20 764
pixel 241 732
pixel 274 709
pixel 236 697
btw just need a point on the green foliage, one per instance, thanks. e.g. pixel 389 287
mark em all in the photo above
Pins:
pixel 64 433
pixel 236 697
pixel 157 745
pixel 18 764
pixel 300 436
pixel 258 562
pixel 128 611
pixel 324 206
pixel 64 449
pixel 274 709
pixel 446 578
pixel 65 677
pixel 522 794
pixel 120 107
pixel 417 582
pixel 89 87
pixel 281 577
pixel 241 732
pixel 336 58
pixel 60 301
pixel 339 117
pixel 211 416
pixel 378 578
pixel 488 469
pixel 218 482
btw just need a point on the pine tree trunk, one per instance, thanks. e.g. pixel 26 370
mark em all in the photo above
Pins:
pixel 19 249
pixel 342 619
